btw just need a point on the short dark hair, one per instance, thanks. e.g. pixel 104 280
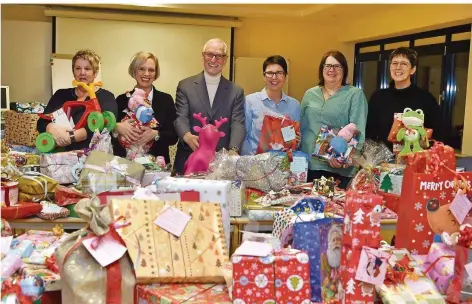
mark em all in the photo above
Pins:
pixel 411 54
pixel 275 59
pixel 340 58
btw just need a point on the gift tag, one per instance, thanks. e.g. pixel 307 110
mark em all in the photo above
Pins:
pixel 468 268
pixel 59 117
pixel 288 133
pixel 460 207
pixel 173 220
pixel 108 250
pixel 250 248
pixel 372 266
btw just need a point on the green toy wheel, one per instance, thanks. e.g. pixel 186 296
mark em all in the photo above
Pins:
pixel 45 142
pixel 95 121
pixel 110 120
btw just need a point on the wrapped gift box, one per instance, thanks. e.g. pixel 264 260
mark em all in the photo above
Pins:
pixel 9 192
pixel 64 167
pixel 21 128
pixel 183 293
pixel 52 280
pixel 67 196
pixel 158 256
pixel 422 290
pixel 104 172
pixel 213 191
pixel 34 186
pixel 281 277
pixel 445 258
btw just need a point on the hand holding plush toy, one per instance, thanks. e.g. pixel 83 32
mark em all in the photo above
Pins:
pixel 412 131
pixel 341 141
pixel 139 113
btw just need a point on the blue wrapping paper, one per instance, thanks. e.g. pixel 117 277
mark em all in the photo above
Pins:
pixel 315 238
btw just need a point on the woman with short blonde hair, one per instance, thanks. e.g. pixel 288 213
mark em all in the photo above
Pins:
pixel 85 68
pixel 144 68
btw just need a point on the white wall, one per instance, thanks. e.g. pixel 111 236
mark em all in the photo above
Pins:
pixel 26 51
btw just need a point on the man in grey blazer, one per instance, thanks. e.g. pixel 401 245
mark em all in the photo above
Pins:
pixel 214 96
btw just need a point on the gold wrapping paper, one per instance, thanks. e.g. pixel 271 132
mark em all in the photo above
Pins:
pixel 197 256
pixel 83 280
pixel 36 184
pixel 20 128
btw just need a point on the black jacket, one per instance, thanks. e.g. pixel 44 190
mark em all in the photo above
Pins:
pixel 384 103
pixel 164 112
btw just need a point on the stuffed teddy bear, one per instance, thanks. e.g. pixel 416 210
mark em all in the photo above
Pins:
pixel 340 142
pixel 140 114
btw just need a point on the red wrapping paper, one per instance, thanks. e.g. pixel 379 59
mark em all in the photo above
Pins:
pixel 271 134
pixel 183 293
pixel 282 277
pixel 21 210
pixel 428 178
pixel 68 196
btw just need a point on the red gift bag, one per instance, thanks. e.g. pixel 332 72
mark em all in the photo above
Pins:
pixel 271 134
pixel 460 289
pixel 429 182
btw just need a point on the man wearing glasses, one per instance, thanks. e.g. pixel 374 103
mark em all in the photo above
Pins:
pixel 270 101
pixel 214 96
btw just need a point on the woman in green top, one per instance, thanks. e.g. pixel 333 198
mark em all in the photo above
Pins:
pixel 334 103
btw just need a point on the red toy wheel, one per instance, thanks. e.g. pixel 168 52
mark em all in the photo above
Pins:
pixel 95 121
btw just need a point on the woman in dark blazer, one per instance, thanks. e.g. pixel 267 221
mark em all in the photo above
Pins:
pixel 144 68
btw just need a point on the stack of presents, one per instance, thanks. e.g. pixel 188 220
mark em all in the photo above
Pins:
pixel 153 238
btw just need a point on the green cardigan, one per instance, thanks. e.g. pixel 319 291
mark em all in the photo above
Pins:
pixel 347 105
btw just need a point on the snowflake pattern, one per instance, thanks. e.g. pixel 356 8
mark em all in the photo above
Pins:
pixel 283 269
pixel 426 244
pixel 414 252
pixel 419 227
pixel 418 206
pixel 442 195
pixel 355 242
pixel 254 266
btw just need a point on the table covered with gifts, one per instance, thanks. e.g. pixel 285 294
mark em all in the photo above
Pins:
pixel 87 226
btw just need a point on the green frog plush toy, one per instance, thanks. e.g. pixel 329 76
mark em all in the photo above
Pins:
pixel 412 131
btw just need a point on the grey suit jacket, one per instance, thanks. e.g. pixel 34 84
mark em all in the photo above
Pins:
pixel 192 97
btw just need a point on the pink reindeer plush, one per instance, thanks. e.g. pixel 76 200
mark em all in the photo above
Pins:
pixel 199 160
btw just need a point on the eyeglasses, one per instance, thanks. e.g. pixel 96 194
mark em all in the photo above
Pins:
pixel 144 70
pixel 337 67
pixel 210 56
pixel 278 74
pixel 402 64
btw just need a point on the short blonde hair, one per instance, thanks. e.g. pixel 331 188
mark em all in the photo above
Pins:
pixel 139 59
pixel 90 56
pixel 224 48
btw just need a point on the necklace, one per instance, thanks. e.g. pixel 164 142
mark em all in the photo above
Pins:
pixel 325 92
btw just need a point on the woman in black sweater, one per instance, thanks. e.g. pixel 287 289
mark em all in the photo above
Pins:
pixel 401 94
pixel 144 68
pixel 85 66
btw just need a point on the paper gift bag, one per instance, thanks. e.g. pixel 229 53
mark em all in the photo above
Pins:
pixel 104 172
pixel 321 239
pixel 280 277
pixel 213 191
pixel 274 134
pixel 424 198
pixel 83 279
pixel 64 167
pixel 158 256
pixel 363 213
pixel 20 128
